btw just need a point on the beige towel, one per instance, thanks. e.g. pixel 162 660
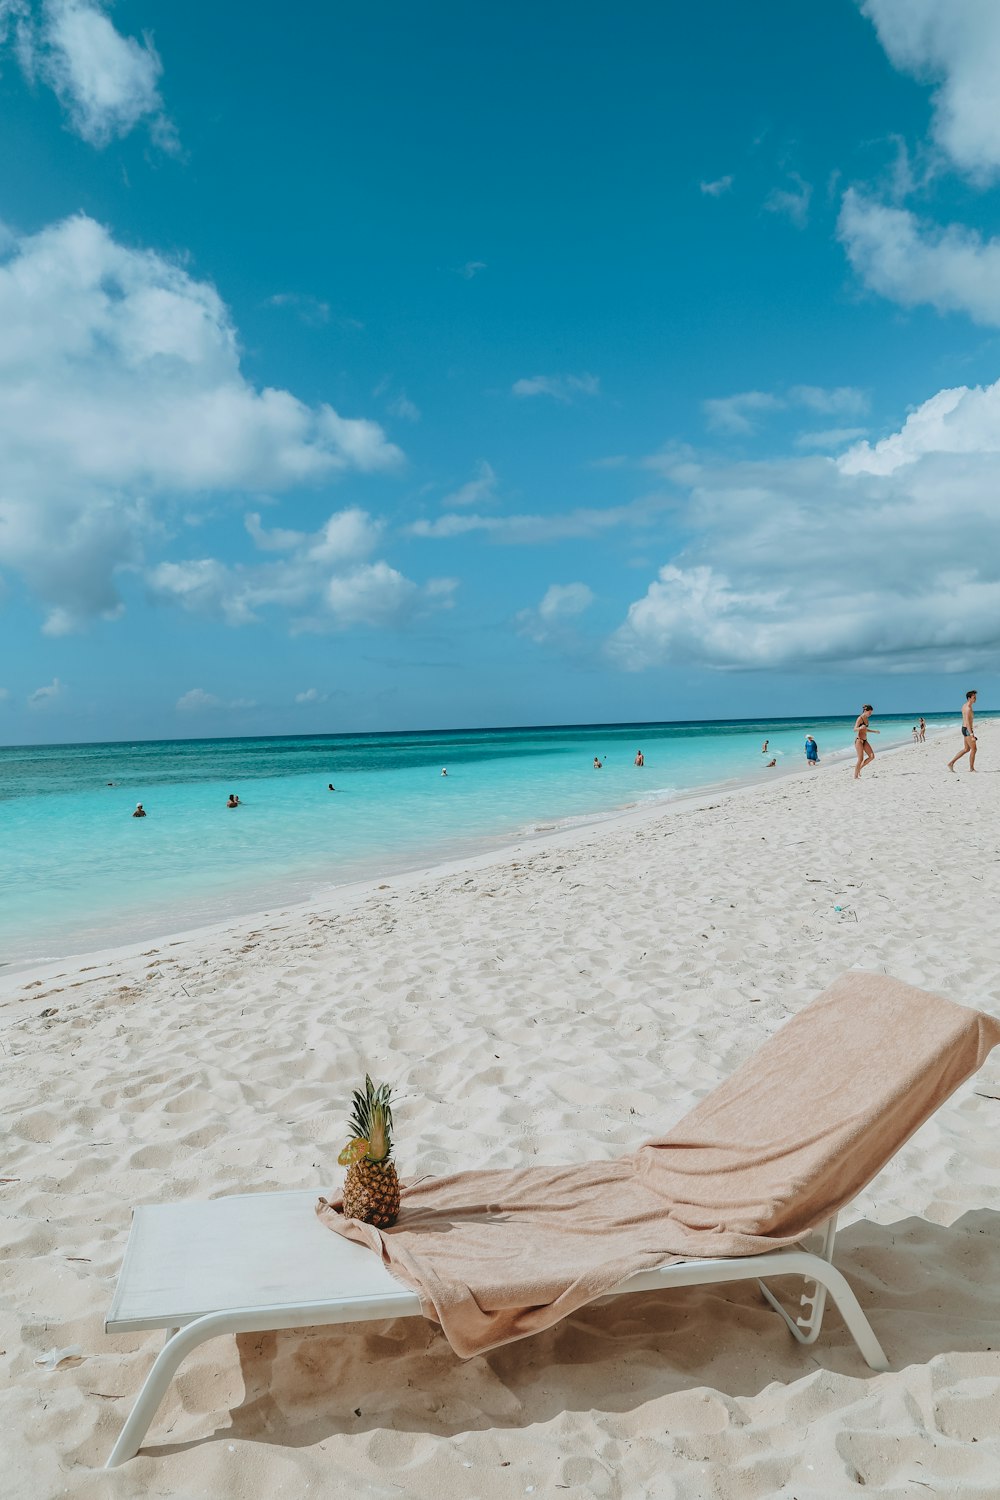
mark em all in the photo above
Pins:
pixel 789 1139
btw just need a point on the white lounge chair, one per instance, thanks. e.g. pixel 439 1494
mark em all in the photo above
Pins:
pixel 263 1261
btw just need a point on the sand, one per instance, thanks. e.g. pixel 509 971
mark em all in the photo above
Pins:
pixel 564 1000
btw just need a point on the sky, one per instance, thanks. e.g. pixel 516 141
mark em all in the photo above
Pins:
pixel 401 366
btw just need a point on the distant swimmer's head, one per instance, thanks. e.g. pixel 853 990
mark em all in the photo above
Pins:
pixel 234 801
pixel 140 811
pixel 444 770
pixel 330 787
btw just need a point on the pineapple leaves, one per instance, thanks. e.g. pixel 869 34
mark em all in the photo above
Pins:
pixel 371 1125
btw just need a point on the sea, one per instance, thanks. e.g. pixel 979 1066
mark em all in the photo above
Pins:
pixel 79 873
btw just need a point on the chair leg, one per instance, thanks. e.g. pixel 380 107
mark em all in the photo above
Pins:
pixel 806 1330
pixel 179 1345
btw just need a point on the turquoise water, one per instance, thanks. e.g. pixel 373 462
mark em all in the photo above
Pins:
pixel 79 873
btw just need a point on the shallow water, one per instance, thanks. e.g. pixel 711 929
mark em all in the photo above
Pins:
pixel 78 872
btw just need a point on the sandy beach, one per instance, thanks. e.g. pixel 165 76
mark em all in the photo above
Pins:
pixel 566 1000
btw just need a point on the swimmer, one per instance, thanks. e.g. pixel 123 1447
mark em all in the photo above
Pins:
pixel 140 811
pixel 639 759
pixel 597 763
pixel 444 770
pixel 330 787
pixel 234 801
pixel 770 764
pixel 763 748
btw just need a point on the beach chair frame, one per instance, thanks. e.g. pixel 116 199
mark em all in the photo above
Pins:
pixel 167 1241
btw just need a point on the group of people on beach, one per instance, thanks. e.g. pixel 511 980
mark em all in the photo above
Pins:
pixel 866 754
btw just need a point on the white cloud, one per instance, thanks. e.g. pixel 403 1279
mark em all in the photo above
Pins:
pixel 471 269
pixel 718 187
pixel 198 701
pixel 564 600
pixel 311 695
pixel 562 388
pixel 4 694
pixel 477 491
pixel 44 695
pixel 738 415
pixel 954 422
pixel 323 577
pixel 912 262
pixel 735 414
pixel 886 560
pixel 560 605
pixel 107 83
pixel 560 525
pixel 791 201
pixel 310 310
pixel 956 46
pixel 122 396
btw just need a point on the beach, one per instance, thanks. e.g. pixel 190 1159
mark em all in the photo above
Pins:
pixel 563 999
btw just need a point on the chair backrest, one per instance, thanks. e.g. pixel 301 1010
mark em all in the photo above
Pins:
pixel 819 1109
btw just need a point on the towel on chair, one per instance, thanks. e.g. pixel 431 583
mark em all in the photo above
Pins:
pixel 789 1139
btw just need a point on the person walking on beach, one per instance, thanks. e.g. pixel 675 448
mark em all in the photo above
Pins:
pixel 861 732
pixel 968 732
pixel 812 752
pixel 923 729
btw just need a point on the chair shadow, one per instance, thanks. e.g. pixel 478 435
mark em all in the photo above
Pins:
pixel 929 1290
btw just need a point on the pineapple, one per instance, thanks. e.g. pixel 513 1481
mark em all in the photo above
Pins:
pixel 371 1191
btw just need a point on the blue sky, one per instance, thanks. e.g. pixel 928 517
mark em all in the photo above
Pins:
pixel 406 366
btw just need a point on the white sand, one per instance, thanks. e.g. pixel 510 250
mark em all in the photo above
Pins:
pixel 572 999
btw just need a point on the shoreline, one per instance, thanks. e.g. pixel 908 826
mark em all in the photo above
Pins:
pixel 341 899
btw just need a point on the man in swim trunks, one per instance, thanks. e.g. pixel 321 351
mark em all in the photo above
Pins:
pixel 861 732
pixel 968 732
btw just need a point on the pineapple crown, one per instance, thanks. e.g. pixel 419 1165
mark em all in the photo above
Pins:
pixel 370 1125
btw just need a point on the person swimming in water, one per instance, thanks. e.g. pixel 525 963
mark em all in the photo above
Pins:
pixel 639 758
pixel 140 811
pixel 330 787
pixel 234 801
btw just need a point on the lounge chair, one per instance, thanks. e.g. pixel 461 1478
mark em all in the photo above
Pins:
pixel 764 1163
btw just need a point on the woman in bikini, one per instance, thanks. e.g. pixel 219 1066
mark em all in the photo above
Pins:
pixel 861 732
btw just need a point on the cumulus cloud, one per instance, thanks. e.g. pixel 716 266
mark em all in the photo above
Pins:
pixel 323 577
pixel 45 695
pixel 562 388
pixel 960 421
pixel 888 559
pixel 107 83
pixel 477 491
pixel 718 187
pixel 829 438
pixel 739 415
pixel 471 268
pixel 559 607
pixel 912 262
pixel 311 695
pixel 121 396
pixel 956 47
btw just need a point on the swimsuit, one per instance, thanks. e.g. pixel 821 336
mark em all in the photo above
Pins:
pixel 967 733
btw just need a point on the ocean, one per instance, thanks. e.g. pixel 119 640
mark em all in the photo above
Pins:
pixel 79 873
